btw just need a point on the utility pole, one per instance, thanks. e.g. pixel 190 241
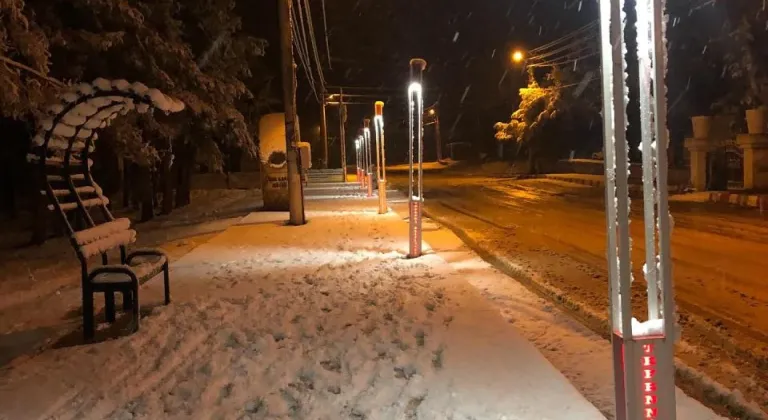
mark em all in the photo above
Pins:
pixel 295 189
pixel 438 139
pixel 343 134
pixel 324 130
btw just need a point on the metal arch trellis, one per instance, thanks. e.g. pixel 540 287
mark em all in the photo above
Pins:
pixel 102 114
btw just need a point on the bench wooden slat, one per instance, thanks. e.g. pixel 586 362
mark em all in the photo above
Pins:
pixel 90 202
pixel 59 178
pixel 108 243
pixel 87 189
pixel 90 235
pixel 57 161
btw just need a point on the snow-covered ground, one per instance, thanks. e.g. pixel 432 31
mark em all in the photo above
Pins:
pixel 40 286
pixel 582 356
pixel 551 235
pixel 323 321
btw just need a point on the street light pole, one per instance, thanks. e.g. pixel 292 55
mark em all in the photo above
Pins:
pixel 357 157
pixel 295 192
pixel 324 129
pixel 381 161
pixel 416 139
pixel 343 134
pixel 368 156
pixel 643 352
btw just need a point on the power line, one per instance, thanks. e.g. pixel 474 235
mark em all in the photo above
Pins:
pixel 315 51
pixel 566 37
pixel 560 63
pixel 302 56
pixel 590 50
pixel 327 45
pixel 565 47
pixel 302 31
pixel 311 29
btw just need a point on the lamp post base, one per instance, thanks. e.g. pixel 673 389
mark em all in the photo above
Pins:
pixel 382 197
pixel 414 220
pixel 369 181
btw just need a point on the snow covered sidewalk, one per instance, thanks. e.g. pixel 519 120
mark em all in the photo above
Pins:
pixel 323 321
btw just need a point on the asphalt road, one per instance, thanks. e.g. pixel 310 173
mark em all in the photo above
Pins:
pixel 555 232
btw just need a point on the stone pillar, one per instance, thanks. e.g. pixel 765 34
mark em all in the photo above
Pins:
pixel 698 149
pixel 755 147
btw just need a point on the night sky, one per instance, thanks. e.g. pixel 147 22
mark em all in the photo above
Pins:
pixel 466 44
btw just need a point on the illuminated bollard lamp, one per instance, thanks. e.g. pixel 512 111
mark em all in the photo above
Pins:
pixel 415 168
pixel 381 161
pixel 643 352
pixel 368 157
pixel 357 157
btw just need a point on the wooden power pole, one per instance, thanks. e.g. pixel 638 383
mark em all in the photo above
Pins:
pixel 343 134
pixel 324 130
pixel 295 191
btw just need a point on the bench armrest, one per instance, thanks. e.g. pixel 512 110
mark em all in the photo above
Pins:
pixel 145 252
pixel 113 269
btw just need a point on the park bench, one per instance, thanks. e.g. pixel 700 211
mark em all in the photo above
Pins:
pixel 61 153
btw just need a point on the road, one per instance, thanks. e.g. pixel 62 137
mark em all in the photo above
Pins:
pixel 554 233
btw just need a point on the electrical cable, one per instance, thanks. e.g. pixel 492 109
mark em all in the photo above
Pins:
pixel 564 48
pixel 584 28
pixel 302 58
pixel 315 50
pixel 327 44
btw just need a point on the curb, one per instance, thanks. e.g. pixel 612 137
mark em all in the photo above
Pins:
pixel 689 379
pixel 741 200
pixel 595 183
pixel 581 181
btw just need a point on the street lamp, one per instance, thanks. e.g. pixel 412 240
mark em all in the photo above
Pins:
pixel 381 162
pixel 368 159
pixel 517 56
pixel 416 138
pixel 357 157
pixel 435 116
pixel 643 352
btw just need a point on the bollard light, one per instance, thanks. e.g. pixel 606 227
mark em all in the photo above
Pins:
pixel 381 162
pixel 368 157
pixel 360 163
pixel 415 159
pixel 357 158
pixel 643 352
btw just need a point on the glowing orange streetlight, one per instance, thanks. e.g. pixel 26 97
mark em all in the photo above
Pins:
pixel 518 56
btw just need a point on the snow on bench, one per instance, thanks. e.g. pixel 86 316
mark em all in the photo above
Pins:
pixel 108 243
pixel 102 231
pixel 76 177
pixel 69 127
pixel 57 161
pixel 79 190
pixel 90 202
pixel 145 267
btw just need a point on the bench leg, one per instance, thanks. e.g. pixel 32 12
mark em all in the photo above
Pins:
pixel 127 305
pixel 109 305
pixel 88 326
pixel 135 302
pixel 167 283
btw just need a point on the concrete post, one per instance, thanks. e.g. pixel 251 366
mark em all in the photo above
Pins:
pixel 755 147
pixel 698 149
